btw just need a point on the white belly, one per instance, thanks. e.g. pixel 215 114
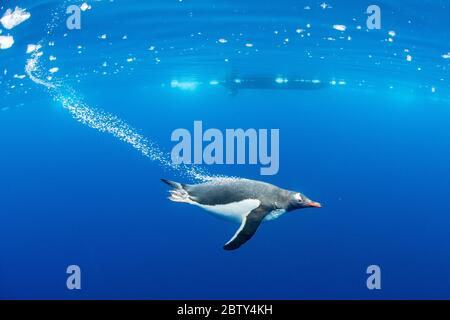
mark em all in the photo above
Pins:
pixel 238 210
pixel 235 211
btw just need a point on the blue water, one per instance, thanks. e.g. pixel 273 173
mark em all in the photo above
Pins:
pixel 373 147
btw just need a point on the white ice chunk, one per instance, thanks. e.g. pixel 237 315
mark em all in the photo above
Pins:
pixel 392 33
pixel 446 55
pixel 85 7
pixel 53 70
pixel 222 40
pixel 339 27
pixel 6 42
pixel 33 47
pixel 408 58
pixel 13 18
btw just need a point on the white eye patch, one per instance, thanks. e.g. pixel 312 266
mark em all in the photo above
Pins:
pixel 298 197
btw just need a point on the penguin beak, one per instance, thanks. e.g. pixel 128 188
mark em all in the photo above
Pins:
pixel 315 204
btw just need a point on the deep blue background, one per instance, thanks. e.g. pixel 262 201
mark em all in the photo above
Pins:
pixel 377 158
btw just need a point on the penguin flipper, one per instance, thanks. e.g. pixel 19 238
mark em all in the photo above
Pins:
pixel 247 229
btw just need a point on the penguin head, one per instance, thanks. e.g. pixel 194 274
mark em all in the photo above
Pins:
pixel 300 201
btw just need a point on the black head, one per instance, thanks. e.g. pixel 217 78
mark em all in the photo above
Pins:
pixel 300 201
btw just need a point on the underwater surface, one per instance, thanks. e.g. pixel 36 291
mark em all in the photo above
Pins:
pixel 86 118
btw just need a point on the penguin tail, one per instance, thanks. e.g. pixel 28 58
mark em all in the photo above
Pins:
pixel 173 184
pixel 178 193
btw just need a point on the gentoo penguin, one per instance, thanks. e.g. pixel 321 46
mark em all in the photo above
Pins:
pixel 247 202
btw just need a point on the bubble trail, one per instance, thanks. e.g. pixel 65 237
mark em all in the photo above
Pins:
pixel 108 123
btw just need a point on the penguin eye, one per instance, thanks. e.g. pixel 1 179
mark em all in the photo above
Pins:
pixel 299 198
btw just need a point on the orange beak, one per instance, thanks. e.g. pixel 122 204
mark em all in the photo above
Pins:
pixel 315 204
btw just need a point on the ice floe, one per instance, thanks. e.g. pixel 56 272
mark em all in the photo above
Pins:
pixel 13 18
pixel 446 55
pixel 54 70
pixel 6 42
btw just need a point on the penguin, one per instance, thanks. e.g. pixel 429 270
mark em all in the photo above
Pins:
pixel 244 201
